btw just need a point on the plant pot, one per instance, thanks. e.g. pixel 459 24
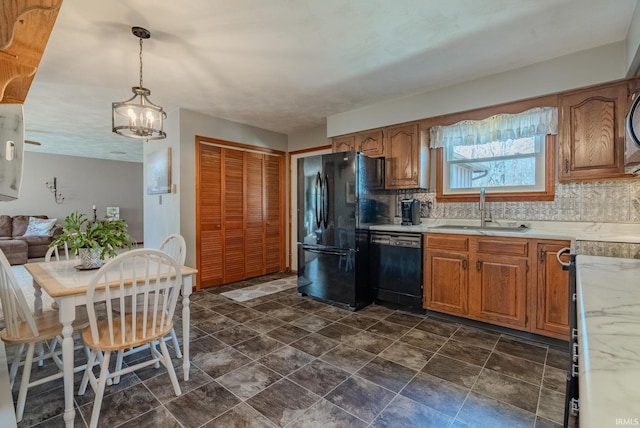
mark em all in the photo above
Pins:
pixel 90 258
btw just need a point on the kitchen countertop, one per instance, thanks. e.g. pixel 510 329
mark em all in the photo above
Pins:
pixel 608 292
pixel 570 231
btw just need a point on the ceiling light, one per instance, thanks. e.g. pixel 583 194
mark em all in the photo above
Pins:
pixel 138 117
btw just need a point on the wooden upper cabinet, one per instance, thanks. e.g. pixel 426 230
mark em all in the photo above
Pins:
pixel 403 157
pixel 591 133
pixel 344 143
pixel 25 26
pixel 370 143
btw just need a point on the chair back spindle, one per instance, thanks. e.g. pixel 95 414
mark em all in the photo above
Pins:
pixel 176 247
pixel 14 304
pixel 156 276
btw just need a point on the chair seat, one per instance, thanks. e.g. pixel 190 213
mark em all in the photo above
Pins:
pixel 48 325
pixel 142 336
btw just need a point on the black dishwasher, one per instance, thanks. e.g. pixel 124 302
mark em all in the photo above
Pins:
pixel 395 268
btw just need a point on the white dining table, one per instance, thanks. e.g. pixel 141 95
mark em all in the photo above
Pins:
pixel 68 286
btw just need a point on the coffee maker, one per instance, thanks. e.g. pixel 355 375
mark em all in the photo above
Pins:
pixel 410 211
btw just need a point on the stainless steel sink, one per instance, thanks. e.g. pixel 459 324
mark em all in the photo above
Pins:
pixel 487 228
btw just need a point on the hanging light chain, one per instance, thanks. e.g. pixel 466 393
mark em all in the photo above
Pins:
pixel 141 63
pixel 138 117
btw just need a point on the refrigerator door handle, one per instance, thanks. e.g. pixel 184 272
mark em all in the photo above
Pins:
pixel 318 198
pixel 325 204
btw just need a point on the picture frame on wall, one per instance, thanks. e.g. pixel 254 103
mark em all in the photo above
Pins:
pixel 158 167
pixel 113 213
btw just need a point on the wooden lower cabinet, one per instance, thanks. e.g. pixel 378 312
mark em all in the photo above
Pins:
pixel 552 297
pixel 511 282
pixel 447 273
pixel 498 290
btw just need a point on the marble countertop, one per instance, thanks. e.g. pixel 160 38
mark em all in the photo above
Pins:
pixel 609 341
pixel 570 231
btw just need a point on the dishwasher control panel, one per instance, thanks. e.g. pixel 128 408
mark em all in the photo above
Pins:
pixel 413 240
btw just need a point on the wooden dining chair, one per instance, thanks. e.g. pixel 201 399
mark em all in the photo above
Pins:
pixel 176 247
pixel 151 274
pixel 23 328
pixel 58 254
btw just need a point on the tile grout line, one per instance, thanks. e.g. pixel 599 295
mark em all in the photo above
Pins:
pixel 476 381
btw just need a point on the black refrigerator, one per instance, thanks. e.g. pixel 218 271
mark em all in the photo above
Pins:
pixel 339 196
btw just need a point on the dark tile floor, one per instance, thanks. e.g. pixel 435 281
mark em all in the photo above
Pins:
pixel 282 360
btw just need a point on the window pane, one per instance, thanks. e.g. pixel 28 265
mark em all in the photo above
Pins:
pixel 506 166
pixel 494 149
pixel 494 173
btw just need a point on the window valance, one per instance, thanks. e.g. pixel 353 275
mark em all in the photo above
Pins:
pixel 535 122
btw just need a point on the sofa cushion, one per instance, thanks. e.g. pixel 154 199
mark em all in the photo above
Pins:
pixel 15 250
pixel 35 240
pixel 6 227
pixel 40 226
pixel 20 223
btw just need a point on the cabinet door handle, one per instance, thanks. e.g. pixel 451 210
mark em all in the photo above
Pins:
pixel 566 166
pixel 464 264
pixel 565 250
pixel 541 256
pixel 478 265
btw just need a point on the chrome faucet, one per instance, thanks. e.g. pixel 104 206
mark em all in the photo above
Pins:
pixel 484 215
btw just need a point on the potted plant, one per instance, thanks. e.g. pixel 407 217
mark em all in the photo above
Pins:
pixel 93 241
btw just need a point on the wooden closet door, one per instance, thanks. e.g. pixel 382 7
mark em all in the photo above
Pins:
pixel 233 215
pixel 254 224
pixel 274 213
pixel 209 261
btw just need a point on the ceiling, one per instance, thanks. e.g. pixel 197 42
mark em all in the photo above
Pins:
pixel 285 65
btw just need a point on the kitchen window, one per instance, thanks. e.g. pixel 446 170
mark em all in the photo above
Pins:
pixel 510 155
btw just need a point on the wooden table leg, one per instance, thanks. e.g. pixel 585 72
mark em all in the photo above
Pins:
pixel 67 314
pixel 37 301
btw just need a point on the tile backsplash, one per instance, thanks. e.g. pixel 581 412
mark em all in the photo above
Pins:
pixel 601 202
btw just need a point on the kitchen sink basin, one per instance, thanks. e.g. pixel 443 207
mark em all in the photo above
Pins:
pixel 479 228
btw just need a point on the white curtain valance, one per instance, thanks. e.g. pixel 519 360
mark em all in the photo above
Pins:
pixel 535 122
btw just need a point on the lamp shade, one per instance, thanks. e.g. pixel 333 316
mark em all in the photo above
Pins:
pixel 138 117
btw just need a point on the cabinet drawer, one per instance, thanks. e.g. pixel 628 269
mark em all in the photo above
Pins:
pixel 506 246
pixel 449 242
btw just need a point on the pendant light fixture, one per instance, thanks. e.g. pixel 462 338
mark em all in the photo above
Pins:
pixel 138 117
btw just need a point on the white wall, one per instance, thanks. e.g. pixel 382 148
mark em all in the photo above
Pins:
pixel 192 124
pixel 309 138
pixel 589 67
pixel 162 212
pixel 83 182
pixel 633 44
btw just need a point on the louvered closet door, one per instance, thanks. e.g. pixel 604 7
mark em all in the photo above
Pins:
pixel 274 201
pixel 210 215
pixel 254 226
pixel 233 215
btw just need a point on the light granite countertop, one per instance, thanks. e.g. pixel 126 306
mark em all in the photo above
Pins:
pixel 609 341
pixel 570 231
